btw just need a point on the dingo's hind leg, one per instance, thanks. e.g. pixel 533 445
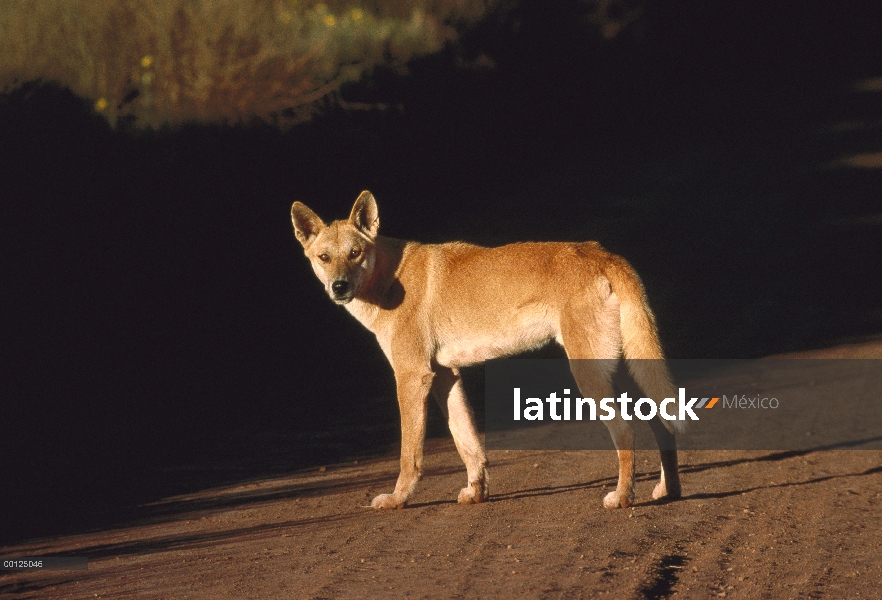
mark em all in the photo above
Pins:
pixel 669 486
pixel 448 391
pixel 645 360
pixel 592 338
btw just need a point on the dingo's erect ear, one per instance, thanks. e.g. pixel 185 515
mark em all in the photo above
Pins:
pixel 307 224
pixel 364 214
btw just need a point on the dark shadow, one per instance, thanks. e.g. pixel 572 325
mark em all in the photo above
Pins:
pixel 432 503
pixel 551 491
pixel 176 509
pixel 685 469
pixel 20 589
pixel 776 456
pixel 201 540
pixel 701 496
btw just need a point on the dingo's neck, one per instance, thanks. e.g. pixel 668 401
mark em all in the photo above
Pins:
pixel 382 290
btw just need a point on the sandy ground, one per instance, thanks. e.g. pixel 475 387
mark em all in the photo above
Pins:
pixel 752 524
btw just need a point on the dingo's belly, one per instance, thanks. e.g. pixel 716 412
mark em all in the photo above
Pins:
pixel 467 343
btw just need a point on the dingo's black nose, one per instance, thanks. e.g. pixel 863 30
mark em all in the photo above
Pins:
pixel 340 287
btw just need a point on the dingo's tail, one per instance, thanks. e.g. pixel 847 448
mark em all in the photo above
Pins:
pixel 640 344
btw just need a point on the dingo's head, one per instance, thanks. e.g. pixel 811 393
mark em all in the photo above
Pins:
pixel 342 253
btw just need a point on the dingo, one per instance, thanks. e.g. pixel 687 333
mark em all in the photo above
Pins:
pixel 438 307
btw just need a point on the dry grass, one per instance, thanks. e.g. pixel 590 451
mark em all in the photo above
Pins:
pixel 169 61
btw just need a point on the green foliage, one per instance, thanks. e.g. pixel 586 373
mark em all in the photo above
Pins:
pixel 172 61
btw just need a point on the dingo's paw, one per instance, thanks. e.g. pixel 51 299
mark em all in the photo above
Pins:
pixel 616 500
pixel 661 491
pixel 387 501
pixel 475 493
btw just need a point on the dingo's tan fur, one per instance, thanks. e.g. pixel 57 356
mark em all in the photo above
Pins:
pixel 438 307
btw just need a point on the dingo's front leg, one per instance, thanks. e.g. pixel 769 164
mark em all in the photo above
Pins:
pixel 413 391
pixel 450 395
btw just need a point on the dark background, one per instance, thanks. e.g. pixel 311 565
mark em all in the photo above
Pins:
pixel 162 330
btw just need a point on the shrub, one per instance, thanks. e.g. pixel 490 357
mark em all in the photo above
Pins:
pixel 169 61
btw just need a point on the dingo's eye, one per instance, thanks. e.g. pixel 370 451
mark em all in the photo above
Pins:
pixel 354 253
pixel 324 257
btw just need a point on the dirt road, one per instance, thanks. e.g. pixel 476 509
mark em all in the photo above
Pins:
pixel 751 524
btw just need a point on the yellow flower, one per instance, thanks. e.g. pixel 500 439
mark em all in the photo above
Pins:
pixel 147 61
pixel 330 20
pixel 356 14
pixel 100 104
pixel 285 16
